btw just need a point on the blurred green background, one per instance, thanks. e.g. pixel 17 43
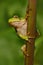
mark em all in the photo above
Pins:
pixel 10 43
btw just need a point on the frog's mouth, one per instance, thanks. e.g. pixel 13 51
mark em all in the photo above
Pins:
pixel 13 20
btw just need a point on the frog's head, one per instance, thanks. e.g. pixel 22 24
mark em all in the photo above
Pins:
pixel 14 21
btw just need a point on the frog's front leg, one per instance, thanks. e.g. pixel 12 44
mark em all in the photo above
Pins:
pixel 23 48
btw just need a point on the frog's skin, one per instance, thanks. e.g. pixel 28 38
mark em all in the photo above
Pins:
pixel 21 28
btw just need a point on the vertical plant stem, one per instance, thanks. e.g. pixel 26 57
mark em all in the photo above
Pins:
pixel 31 30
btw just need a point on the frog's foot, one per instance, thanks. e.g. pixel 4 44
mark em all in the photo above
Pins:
pixel 23 48
pixel 37 34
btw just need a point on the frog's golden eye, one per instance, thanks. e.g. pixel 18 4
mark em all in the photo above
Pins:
pixel 15 16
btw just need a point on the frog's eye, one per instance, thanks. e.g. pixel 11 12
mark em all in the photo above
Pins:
pixel 15 16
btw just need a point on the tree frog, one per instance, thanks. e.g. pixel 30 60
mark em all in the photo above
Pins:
pixel 20 26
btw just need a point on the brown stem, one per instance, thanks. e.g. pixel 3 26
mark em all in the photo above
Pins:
pixel 30 50
pixel 31 27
